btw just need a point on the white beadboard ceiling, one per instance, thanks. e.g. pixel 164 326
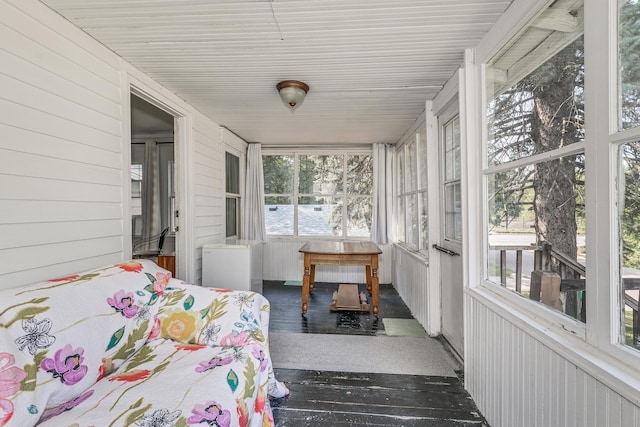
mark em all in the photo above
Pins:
pixel 370 64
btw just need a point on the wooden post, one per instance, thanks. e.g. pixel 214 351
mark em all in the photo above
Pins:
pixel 550 290
pixel 545 287
pixel 636 329
pixel 519 271
pixel 536 285
pixel 503 267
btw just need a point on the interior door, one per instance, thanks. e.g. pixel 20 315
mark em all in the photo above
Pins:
pixel 450 245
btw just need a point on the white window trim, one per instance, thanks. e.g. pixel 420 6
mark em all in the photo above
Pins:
pixel 413 135
pixel 445 116
pixel 242 160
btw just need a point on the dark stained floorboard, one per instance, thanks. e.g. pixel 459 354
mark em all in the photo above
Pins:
pixel 286 310
pixel 320 398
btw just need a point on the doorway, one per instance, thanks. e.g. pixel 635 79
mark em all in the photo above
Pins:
pixel 153 206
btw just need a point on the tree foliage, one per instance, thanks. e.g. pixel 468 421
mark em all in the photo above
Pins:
pixel 541 113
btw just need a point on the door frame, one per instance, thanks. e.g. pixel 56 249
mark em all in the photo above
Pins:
pixel 447 99
pixel 182 126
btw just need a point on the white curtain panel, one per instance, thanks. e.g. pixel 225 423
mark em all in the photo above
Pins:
pixel 151 226
pixel 383 161
pixel 253 227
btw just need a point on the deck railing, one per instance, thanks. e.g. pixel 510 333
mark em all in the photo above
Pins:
pixel 553 268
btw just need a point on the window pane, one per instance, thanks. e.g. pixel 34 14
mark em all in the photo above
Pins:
pixel 278 215
pixel 424 221
pixel 538 211
pixel 453 212
pixel 231 217
pixel 320 174
pixel 628 64
pixel 630 237
pixel 541 112
pixel 136 180
pixel 401 219
pixel 422 159
pixel 319 216
pixel 278 174
pixel 359 210
pixel 452 150
pixel 360 175
pixel 412 174
pixel 400 156
pixel 412 220
pixel 232 173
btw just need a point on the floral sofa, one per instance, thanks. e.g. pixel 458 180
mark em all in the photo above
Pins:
pixel 128 345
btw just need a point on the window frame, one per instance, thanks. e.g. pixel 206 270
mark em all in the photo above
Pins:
pixel 546 315
pixel 295 195
pixel 236 197
pixel 448 116
pixel 599 338
pixel 419 189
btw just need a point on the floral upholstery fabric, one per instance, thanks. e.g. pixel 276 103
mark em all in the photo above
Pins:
pixel 128 345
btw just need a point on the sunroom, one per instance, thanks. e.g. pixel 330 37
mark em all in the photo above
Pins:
pixel 491 150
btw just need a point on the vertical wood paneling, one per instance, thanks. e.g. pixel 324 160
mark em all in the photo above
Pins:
pixel 516 380
pixel 411 278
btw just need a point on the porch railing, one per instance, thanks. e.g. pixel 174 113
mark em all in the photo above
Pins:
pixel 554 269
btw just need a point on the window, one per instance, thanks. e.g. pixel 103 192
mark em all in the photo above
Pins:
pixel 535 168
pixel 309 194
pixel 412 199
pixel 452 188
pixel 629 174
pixel 136 180
pixel 232 189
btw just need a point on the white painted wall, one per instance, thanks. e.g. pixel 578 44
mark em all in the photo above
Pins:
pixel 64 172
pixel 61 171
pixel 208 176
pixel 411 277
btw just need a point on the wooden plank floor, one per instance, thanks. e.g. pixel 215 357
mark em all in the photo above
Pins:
pixel 286 309
pixel 322 398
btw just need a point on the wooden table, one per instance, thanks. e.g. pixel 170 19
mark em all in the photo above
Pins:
pixel 341 253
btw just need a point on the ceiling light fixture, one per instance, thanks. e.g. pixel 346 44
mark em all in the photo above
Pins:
pixel 292 92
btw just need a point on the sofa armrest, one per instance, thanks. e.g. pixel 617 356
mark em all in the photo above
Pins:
pixel 209 316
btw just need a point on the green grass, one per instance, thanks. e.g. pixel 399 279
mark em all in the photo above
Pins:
pixel 628 327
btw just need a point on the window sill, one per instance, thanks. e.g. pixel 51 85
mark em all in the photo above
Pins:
pixel 419 256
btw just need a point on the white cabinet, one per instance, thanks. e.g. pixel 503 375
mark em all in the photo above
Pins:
pixel 235 266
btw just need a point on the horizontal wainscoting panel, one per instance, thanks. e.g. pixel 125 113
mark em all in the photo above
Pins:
pixel 516 380
pixel 411 278
pixel 282 261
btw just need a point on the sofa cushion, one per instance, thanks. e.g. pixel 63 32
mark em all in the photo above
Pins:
pixel 178 384
pixel 211 316
pixel 58 337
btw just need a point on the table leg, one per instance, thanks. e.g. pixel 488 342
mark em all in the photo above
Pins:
pixel 305 283
pixel 375 295
pixel 368 274
pixel 312 279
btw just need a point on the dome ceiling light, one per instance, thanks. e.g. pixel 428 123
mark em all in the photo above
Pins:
pixel 292 92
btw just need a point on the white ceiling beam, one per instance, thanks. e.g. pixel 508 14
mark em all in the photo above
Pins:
pixel 556 19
